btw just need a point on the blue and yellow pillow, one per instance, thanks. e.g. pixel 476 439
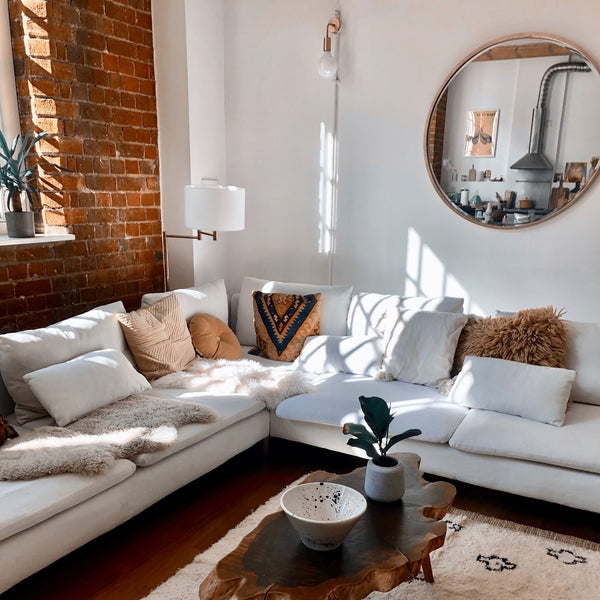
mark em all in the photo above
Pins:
pixel 283 322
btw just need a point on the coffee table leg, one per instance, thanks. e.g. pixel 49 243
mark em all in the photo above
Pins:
pixel 427 571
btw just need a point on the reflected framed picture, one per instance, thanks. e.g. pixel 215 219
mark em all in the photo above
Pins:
pixel 482 130
pixel 575 172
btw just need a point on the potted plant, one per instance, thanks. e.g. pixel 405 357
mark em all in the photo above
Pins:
pixel 22 197
pixel 384 479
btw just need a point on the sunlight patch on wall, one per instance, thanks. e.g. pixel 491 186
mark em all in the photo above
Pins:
pixel 326 182
pixel 426 274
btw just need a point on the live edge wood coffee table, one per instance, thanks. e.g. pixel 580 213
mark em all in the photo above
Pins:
pixel 389 544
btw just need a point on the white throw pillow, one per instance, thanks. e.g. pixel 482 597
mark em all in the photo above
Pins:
pixel 419 345
pixel 583 356
pixel 359 355
pixel 367 309
pixel 208 298
pixel 27 351
pixel 515 388
pixel 335 300
pixel 72 389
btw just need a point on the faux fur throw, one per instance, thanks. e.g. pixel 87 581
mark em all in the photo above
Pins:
pixel 92 444
pixel 270 385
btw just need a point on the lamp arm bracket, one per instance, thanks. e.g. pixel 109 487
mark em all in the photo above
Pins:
pixel 333 26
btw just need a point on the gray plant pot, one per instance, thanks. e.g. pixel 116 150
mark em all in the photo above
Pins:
pixel 384 484
pixel 20 224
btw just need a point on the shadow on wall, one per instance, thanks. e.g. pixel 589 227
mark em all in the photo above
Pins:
pixel 426 275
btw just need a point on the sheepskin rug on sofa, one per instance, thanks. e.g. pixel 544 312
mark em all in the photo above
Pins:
pixel 270 385
pixel 92 444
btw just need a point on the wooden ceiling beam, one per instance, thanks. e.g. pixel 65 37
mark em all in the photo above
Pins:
pixel 515 51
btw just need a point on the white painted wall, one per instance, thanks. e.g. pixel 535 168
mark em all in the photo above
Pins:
pixel 394 232
pixel 278 110
pixel 189 63
pixel 170 65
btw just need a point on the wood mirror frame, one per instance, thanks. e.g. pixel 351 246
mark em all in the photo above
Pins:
pixel 443 139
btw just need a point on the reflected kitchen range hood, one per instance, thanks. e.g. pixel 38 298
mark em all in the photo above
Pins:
pixel 535 158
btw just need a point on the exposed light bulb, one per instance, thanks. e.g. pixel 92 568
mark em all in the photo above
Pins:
pixel 328 65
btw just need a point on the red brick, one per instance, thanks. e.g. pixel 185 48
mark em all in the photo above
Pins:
pixel 126 66
pixel 18 271
pixel 30 253
pixel 111 62
pixel 34 286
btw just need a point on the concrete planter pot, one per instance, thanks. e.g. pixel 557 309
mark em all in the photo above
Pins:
pixel 384 484
pixel 20 224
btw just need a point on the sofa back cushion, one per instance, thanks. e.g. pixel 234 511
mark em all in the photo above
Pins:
pixel 359 355
pixel 367 309
pixel 335 300
pixel 583 356
pixel 27 351
pixel 209 298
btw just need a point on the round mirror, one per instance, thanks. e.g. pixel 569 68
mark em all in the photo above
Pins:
pixel 513 136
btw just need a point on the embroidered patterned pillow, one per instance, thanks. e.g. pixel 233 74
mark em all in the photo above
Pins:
pixel 7 431
pixel 283 322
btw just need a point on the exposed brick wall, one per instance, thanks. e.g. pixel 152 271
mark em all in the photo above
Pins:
pixel 85 73
pixel 435 139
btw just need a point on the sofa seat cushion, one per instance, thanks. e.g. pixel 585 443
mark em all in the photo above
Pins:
pixel 575 445
pixel 335 402
pixel 27 503
pixel 231 409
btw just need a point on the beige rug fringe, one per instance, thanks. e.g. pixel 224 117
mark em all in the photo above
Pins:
pixel 543 533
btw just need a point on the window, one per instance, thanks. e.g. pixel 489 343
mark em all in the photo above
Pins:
pixel 9 111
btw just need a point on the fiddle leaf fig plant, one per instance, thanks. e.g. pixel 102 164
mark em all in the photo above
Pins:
pixel 375 440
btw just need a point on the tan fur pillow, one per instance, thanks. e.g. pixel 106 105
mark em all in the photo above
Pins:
pixel 158 338
pixel 214 339
pixel 537 336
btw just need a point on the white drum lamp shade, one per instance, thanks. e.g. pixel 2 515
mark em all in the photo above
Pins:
pixel 214 208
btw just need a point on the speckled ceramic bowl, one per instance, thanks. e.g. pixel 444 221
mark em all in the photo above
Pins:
pixel 323 513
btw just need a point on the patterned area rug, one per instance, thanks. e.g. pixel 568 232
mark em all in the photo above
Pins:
pixel 482 559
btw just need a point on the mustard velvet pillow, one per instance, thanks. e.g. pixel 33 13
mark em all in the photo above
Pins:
pixel 214 339
pixel 158 338
pixel 283 322
pixel 536 336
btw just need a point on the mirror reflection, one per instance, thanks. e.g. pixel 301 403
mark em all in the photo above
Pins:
pixel 514 135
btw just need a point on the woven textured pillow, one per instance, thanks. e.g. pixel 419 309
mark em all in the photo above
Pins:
pixel 283 322
pixel 7 431
pixel 214 339
pixel 536 336
pixel 158 338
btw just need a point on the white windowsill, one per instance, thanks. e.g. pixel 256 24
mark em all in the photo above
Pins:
pixel 56 235
pixel 38 239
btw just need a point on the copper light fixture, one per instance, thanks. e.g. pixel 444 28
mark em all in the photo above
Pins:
pixel 328 64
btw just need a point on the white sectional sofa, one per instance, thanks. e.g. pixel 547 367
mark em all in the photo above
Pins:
pixel 482 447
pixel 44 519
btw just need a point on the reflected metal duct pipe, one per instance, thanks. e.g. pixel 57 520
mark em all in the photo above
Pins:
pixel 535 159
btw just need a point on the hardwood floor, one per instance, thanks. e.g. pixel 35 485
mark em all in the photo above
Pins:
pixel 128 562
